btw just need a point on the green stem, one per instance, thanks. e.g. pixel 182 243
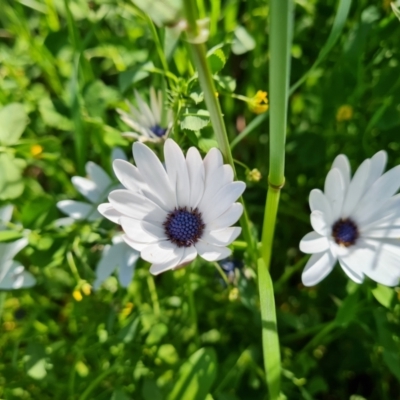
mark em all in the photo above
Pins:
pixel 279 45
pixel 198 51
pixel 3 296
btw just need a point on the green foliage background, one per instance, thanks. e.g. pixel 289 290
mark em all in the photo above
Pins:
pixel 70 64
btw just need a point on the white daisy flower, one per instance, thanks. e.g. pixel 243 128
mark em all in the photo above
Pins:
pixel 172 214
pixel 12 274
pixel 145 120
pixel 95 188
pixel 357 222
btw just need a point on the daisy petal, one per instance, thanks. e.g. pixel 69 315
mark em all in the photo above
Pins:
pixel 88 189
pixel 212 160
pixel 314 243
pixel 161 252
pixel 383 188
pixel 222 237
pixel 9 250
pixel 118 154
pixel 228 218
pixel 14 276
pixel 378 163
pixel 317 268
pixel 341 162
pixel 142 231
pixel 164 266
pixel 145 110
pixel 378 260
pixel 128 175
pixel 177 172
pixel 99 177
pixel 196 172
pixel 108 211
pixel 154 175
pixel 318 201
pixel 356 188
pixel 335 191
pixel 111 257
pixel 356 276
pixel 211 252
pixel 135 245
pixel 6 213
pixel 222 201
pixel 78 210
pixel 136 206
pixel 319 223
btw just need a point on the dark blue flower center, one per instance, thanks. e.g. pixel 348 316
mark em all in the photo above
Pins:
pixel 158 131
pixel 345 232
pixel 184 227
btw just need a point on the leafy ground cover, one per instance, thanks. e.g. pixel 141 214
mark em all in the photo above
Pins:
pixel 65 67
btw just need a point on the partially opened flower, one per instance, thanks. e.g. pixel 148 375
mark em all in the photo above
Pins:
pixel 95 188
pixel 355 221
pixel 172 214
pixel 146 121
pixel 12 274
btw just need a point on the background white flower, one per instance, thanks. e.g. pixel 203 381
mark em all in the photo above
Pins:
pixel 172 214
pixel 355 221
pixel 145 120
pixel 12 274
pixel 95 188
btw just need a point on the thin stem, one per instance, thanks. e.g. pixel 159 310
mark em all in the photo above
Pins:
pixel 198 51
pixel 3 296
pixel 153 295
pixel 192 307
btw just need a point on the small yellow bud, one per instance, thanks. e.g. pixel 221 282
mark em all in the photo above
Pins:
pixel 254 175
pixel 77 295
pixel 216 94
pixel 86 289
pixel 344 113
pixel 36 150
pixel 259 103
pixel 127 309
pixel 234 294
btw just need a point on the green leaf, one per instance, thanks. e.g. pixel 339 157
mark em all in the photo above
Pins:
pixel 35 361
pixel 196 376
pixel 6 236
pixel 13 121
pixel 337 28
pixel 12 169
pixel 52 117
pixel 271 353
pixel 134 75
pixel 128 332
pixel 98 97
pixel 242 41
pixel 195 120
pixel 396 10
pixel 225 82
pixel 197 97
pixel 216 59
pixel 168 354
pixel 383 295
pixel 206 144
pixel 348 310
pixel 157 332
pixel 119 394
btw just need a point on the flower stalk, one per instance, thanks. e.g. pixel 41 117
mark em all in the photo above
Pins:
pixel 198 52
pixel 279 45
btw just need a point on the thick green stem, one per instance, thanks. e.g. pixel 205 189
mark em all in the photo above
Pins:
pixel 198 51
pixel 279 46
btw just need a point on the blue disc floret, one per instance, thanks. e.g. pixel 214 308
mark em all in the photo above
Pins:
pixel 345 232
pixel 184 227
pixel 158 130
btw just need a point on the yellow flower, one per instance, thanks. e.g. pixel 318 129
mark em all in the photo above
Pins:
pixel 36 150
pixel 77 295
pixel 259 103
pixel 344 113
